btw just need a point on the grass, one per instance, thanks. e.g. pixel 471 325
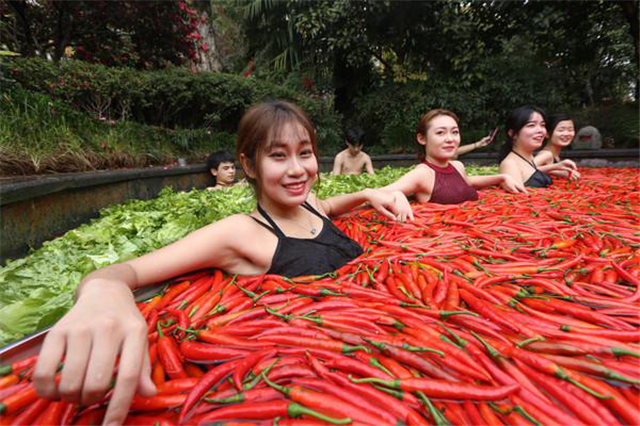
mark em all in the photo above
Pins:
pixel 42 135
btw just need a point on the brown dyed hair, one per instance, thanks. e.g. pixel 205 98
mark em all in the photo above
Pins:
pixel 423 126
pixel 259 127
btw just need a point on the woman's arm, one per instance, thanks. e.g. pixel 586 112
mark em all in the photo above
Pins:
pixel 105 323
pixel 479 182
pixel 392 204
pixel 507 182
pixel 509 168
pixel 464 149
pixel 413 182
pixel 543 158
pixel 565 166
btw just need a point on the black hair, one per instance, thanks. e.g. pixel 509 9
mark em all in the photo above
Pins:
pixel 516 121
pixel 355 135
pixel 555 119
pixel 218 158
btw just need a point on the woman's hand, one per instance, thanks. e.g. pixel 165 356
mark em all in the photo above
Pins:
pixel 103 324
pixel 404 208
pixel 385 203
pixel 566 168
pixel 484 142
pixel 574 174
pixel 511 185
pixel 567 165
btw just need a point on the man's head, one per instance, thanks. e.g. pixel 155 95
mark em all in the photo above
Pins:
pixel 354 137
pixel 222 167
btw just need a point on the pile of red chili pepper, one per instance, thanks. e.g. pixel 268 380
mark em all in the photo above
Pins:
pixel 516 309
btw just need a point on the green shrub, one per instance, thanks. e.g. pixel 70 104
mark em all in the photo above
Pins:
pixel 174 98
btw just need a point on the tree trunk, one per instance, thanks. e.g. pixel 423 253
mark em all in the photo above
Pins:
pixel 348 82
pixel 630 11
pixel 63 31
pixel 28 48
pixel 208 60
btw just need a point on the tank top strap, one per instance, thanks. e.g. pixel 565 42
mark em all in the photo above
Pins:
pixel 275 227
pixel 310 208
pixel 531 163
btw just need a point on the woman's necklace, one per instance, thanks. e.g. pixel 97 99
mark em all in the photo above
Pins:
pixel 311 229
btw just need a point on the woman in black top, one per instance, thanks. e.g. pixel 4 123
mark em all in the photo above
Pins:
pixel 289 234
pixel 526 131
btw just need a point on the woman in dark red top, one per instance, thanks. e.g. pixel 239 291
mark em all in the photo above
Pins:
pixel 438 178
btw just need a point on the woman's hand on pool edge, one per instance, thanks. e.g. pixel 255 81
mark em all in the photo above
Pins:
pixel 511 185
pixel 103 324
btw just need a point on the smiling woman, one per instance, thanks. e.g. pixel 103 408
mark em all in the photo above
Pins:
pixel 277 149
pixel 526 130
pixel 561 131
pixel 438 178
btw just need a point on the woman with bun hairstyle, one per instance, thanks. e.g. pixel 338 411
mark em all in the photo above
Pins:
pixel 561 131
pixel 438 178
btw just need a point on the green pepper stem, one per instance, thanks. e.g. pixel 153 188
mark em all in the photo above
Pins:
pixel 296 410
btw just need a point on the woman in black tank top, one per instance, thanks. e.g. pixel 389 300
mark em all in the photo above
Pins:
pixel 525 132
pixel 277 150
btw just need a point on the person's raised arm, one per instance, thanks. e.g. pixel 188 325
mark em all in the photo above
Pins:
pixel 465 149
pixel 105 324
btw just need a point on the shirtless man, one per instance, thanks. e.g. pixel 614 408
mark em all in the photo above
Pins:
pixel 222 167
pixel 352 160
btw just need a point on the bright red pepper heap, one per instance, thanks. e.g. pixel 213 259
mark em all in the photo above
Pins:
pixel 516 309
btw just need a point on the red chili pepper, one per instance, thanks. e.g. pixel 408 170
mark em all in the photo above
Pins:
pixel 158 402
pixel 324 344
pixel 30 413
pixel 9 380
pixel 147 420
pixel 150 306
pixel 177 385
pixel 90 417
pixel 445 389
pixel 52 415
pixel 362 409
pixel 249 362
pixel 264 410
pixel 330 404
pixel 251 395
pixel 18 366
pixel 210 379
pixel 18 387
pixel 205 352
pixel 17 401
pixel 170 357
pixel 173 292
pixel 68 414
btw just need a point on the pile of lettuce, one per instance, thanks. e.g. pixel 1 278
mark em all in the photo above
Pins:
pixel 37 290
